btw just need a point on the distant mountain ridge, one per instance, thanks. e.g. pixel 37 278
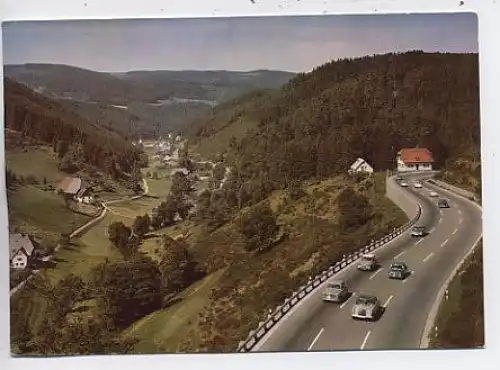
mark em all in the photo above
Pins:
pixel 141 103
pixel 63 81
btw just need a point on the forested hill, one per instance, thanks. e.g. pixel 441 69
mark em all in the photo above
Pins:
pixel 77 140
pixel 321 121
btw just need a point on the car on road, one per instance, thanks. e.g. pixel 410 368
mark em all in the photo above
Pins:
pixel 433 194
pixel 403 183
pixel 419 231
pixel 336 291
pixel 368 262
pixel 399 178
pixel 443 203
pixel 366 307
pixel 417 184
pixel 398 270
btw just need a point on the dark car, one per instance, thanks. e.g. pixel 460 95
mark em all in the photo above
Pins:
pixel 443 203
pixel 398 270
pixel 419 231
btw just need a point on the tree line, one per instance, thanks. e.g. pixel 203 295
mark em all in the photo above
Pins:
pixel 76 140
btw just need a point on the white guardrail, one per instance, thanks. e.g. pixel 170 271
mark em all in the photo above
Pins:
pixel 275 316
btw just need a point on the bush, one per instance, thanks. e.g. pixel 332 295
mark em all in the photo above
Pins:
pixel 354 208
pixel 259 227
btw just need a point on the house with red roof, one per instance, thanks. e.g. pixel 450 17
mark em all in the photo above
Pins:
pixel 414 159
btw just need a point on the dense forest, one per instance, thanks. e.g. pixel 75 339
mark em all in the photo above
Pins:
pixel 141 103
pixel 75 139
pixel 365 107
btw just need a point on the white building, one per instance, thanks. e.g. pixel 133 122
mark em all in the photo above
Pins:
pixel 360 165
pixel 21 250
pixel 414 159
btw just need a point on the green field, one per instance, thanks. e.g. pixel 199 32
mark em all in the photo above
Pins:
pixel 39 162
pixel 42 213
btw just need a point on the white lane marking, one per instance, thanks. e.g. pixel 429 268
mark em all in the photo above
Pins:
pixel 443 243
pixel 459 211
pixel 316 339
pixel 419 241
pixel 431 230
pixel 454 231
pixel 440 212
pixel 460 221
pixel 440 220
pixel 375 273
pixel 428 257
pixel 387 302
pixel 348 299
pixel 365 340
pixel 399 255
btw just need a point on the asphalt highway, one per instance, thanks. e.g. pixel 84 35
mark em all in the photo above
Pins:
pixel 318 326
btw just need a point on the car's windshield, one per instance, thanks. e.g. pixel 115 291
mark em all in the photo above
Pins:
pixel 365 300
pixel 368 258
pixel 397 266
pixel 335 286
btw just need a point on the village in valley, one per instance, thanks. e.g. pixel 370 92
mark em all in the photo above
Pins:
pixel 183 199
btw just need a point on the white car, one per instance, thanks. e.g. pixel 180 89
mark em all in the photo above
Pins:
pixel 368 262
pixel 404 184
pixel 433 194
pixel 417 185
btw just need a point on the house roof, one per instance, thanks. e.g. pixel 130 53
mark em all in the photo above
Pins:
pixel 19 242
pixel 416 155
pixel 70 185
pixel 357 164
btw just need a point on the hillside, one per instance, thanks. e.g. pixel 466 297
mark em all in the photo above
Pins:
pixel 44 143
pixel 367 107
pixel 141 102
pixel 48 122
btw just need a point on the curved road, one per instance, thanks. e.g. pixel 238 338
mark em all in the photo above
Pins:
pixel 315 325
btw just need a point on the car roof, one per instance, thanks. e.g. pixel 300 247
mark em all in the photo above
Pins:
pixel 367 297
pixel 369 255
pixel 398 264
pixel 335 282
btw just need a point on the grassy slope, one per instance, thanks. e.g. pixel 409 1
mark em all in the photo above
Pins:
pixel 44 213
pixel 163 330
pixel 34 210
pixel 177 328
pixel 460 319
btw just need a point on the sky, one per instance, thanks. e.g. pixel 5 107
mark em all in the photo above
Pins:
pixel 296 44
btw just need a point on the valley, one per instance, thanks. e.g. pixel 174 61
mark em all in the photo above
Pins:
pixel 193 238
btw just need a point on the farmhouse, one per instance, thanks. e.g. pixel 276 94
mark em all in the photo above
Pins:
pixel 70 186
pixel 73 188
pixel 414 159
pixel 360 166
pixel 21 250
pixel 85 195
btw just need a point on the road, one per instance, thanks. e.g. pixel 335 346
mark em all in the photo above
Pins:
pixel 316 326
